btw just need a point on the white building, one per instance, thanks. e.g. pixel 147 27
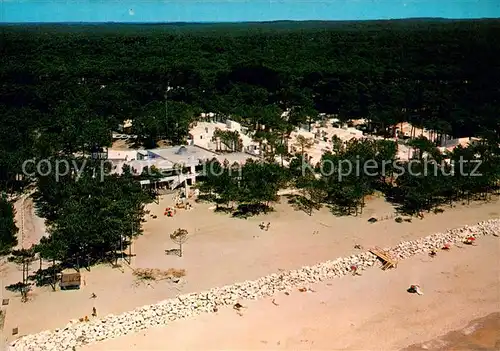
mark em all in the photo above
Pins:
pixel 202 134
pixel 180 164
pixel 321 138
pixel 407 130
pixel 122 155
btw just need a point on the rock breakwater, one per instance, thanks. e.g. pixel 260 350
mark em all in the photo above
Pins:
pixel 76 334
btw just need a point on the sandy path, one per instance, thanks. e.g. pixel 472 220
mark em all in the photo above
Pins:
pixel 221 251
pixel 34 226
pixel 371 312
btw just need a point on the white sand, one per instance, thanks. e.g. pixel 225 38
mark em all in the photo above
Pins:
pixel 371 312
pixel 220 251
pixel 34 226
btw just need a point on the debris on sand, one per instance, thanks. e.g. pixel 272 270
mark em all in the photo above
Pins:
pixel 470 240
pixel 238 306
pixel 415 289
pixel 158 274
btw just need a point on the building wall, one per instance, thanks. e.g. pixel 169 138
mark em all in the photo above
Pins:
pixel 203 132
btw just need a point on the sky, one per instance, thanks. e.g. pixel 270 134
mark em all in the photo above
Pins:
pixel 238 10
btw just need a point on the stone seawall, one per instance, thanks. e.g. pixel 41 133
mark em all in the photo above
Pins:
pixel 79 333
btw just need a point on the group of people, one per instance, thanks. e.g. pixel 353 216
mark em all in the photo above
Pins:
pixel 265 226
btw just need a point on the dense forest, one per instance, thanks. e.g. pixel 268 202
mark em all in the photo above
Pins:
pixel 65 88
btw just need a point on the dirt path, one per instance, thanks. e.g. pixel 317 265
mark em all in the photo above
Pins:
pixel 31 227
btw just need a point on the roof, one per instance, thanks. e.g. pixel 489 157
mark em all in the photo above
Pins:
pixel 166 158
pixel 201 127
pixel 358 121
pixel 122 154
pixel 139 165
pixel 182 154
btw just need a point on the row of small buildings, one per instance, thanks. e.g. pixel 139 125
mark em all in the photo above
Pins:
pixel 181 164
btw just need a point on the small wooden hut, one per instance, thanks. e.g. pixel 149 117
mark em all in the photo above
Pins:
pixel 70 280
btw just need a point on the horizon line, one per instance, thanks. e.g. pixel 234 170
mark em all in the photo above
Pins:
pixel 254 22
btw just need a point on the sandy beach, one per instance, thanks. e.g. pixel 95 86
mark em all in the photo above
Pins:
pixel 479 334
pixel 222 250
pixel 369 312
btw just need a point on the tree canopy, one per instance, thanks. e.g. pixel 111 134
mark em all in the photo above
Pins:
pixel 65 88
pixel 8 228
pixel 84 80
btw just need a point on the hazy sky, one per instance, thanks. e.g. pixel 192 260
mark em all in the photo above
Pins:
pixel 238 10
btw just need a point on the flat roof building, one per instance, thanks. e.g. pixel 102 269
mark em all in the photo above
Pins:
pixel 185 154
pixel 167 160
